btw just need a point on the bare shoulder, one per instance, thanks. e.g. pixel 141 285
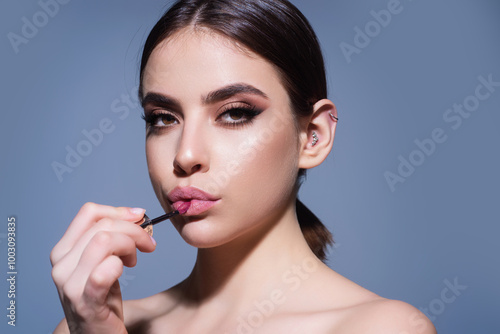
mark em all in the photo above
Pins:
pixel 346 307
pixel 139 313
pixel 383 316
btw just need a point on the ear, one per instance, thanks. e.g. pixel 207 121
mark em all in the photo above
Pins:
pixel 317 136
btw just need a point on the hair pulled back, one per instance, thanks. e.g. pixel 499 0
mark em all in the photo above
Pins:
pixel 278 32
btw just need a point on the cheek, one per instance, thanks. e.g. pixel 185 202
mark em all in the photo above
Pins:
pixel 268 163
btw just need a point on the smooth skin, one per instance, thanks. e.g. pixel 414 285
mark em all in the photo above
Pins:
pixel 254 272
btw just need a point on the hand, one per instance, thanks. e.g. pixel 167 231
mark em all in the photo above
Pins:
pixel 89 259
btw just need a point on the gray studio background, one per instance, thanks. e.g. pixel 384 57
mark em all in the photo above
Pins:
pixel 409 242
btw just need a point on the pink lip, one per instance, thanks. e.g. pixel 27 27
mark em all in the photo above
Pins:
pixel 199 201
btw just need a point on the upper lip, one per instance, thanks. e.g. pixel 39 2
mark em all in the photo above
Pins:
pixel 188 194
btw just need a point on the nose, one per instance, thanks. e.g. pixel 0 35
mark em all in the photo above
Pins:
pixel 192 155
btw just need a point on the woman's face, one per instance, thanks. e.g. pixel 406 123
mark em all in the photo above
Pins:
pixel 218 120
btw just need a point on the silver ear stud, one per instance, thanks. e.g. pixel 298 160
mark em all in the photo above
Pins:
pixel 315 138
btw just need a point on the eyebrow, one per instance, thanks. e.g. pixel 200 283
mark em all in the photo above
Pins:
pixel 218 95
pixel 160 100
pixel 228 91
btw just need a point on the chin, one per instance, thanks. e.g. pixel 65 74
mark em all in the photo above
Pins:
pixel 202 234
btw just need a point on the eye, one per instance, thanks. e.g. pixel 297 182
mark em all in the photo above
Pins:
pixel 159 120
pixel 164 119
pixel 234 115
pixel 237 114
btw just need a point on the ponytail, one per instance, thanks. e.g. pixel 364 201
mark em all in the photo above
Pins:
pixel 316 234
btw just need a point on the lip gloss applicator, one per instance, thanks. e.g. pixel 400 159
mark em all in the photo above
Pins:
pixel 148 223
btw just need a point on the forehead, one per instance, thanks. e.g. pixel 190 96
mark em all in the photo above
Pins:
pixel 200 61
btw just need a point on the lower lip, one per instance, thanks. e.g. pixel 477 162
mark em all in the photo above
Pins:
pixel 197 207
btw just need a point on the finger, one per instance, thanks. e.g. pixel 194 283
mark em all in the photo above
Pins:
pixel 104 244
pixel 78 263
pixel 89 214
pixel 102 279
pixel 64 268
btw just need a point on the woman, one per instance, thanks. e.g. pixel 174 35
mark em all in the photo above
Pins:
pixel 234 97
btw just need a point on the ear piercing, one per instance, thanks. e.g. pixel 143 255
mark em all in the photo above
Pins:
pixel 333 117
pixel 315 135
pixel 315 138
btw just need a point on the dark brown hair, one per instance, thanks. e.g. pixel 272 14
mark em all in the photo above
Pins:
pixel 278 32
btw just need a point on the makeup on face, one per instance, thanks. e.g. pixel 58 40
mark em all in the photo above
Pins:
pixel 162 112
pixel 191 200
pixel 219 120
pixel 188 201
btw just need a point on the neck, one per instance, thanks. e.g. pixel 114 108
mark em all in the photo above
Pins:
pixel 249 267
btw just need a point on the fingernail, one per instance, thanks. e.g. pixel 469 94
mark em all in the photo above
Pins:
pixel 153 240
pixel 137 211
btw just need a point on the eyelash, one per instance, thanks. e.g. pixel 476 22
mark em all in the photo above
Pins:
pixel 248 115
pixel 152 119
